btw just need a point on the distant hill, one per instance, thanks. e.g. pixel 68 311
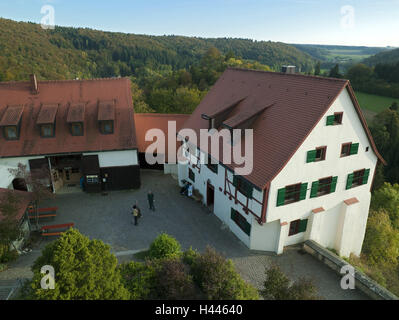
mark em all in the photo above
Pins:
pixel 330 55
pixel 67 53
pixel 388 57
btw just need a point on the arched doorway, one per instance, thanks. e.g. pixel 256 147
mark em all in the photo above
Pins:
pixel 19 184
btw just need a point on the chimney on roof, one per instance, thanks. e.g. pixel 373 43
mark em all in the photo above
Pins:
pixel 288 69
pixel 33 84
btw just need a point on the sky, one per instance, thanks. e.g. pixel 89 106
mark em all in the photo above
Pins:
pixel 340 22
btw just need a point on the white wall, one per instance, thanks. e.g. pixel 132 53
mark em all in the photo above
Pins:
pixel 6 177
pixel 116 158
pixel 298 171
pixel 222 203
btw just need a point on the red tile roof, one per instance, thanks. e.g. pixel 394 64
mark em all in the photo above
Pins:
pixel 47 114
pixel 12 115
pixel 147 121
pixel 293 103
pixel 106 110
pixel 66 93
pixel 76 113
pixel 22 200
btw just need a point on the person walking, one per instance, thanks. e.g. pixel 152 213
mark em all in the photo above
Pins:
pixel 150 197
pixel 135 213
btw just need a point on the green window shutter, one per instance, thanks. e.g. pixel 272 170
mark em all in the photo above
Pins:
pixel 349 181
pixel 304 187
pixel 330 120
pixel 280 197
pixel 247 228
pixel 315 188
pixel 233 214
pixel 303 225
pixel 235 179
pixel 248 189
pixel 366 176
pixel 354 148
pixel 333 184
pixel 311 156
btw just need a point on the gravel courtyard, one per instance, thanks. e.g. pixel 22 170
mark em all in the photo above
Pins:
pixel 108 218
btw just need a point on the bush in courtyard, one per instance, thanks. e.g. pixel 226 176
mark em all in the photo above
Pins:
pixel 84 270
pixel 218 279
pixel 174 282
pixel 9 256
pixel 189 256
pixel 277 286
pixel 164 246
pixel 139 278
pixel 381 242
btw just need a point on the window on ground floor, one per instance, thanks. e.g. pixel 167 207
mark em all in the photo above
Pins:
pixel 240 221
pixel 298 226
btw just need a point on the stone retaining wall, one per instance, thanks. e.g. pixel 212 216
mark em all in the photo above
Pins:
pixel 362 282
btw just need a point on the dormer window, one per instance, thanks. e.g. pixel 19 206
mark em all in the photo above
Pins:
pixel 77 129
pixel 75 119
pixel 10 122
pixel 107 127
pixel 47 130
pixel 11 132
pixel 46 120
pixel 106 116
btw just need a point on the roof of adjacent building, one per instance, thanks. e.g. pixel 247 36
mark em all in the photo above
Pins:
pixel 66 101
pixel 147 121
pixel 19 199
pixel 287 108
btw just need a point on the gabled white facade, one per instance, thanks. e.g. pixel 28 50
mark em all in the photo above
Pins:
pixel 336 224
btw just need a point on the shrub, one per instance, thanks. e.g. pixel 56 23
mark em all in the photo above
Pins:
pixel 84 270
pixel 164 246
pixel 277 286
pixel 218 279
pixel 189 256
pixel 139 279
pixel 9 256
pixel 174 281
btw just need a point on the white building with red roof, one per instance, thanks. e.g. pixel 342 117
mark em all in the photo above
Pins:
pixel 314 160
pixel 79 132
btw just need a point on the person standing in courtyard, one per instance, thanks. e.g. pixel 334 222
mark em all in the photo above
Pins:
pixel 150 197
pixel 135 215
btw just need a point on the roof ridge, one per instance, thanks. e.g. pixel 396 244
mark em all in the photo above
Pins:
pixel 5 83
pixel 290 74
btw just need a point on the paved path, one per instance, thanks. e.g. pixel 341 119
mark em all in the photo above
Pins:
pixel 108 218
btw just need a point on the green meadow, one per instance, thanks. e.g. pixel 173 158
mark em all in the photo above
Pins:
pixel 373 102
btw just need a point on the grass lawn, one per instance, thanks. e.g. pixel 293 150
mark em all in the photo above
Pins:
pixel 373 102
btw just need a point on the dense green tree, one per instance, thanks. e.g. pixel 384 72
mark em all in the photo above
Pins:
pixel 385 130
pixel 217 278
pixel 317 69
pixel 334 72
pixel 164 246
pixel 277 286
pixel 84 270
pixel 387 198
pixel 381 242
